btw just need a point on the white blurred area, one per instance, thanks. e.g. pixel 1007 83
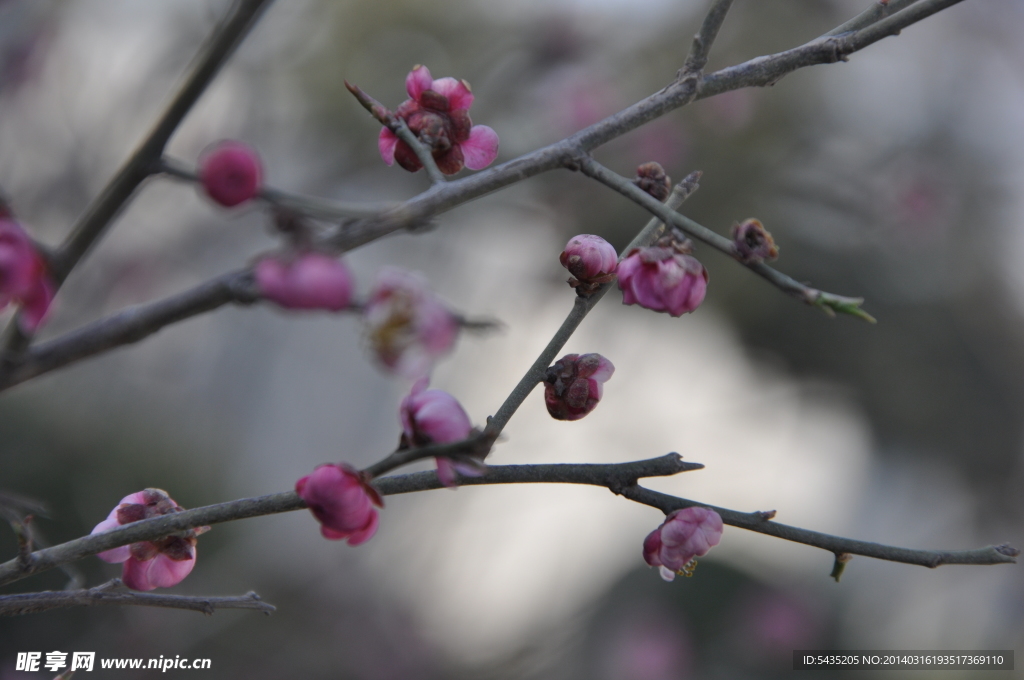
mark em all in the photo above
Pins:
pixel 483 570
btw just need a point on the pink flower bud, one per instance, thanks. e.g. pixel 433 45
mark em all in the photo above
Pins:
pixel 663 279
pixel 752 241
pixel 24 278
pixel 684 535
pixel 311 281
pixel 591 260
pixel 342 502
pixel 438 114
pixel 575 384
pixel 436 417
pixel 150 564
pixel 231 173
pixel 408 327
pixel 651 178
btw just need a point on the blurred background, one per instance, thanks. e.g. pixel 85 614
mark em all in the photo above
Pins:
pixel 897 176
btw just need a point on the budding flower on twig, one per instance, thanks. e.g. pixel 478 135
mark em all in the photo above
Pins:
pixel 591 260
pixel 651 177
pixel 342 501
pixel 308 281
pixel 438 114
pixel 408 327
pixel 150 564
pixel 663 277
pixel 24 278
pixel 684 535
pixel 574 385
pixel 752 241
pixel 436 417
pixel 231 173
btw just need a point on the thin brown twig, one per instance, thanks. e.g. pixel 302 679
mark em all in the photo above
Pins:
pixel 828 302
pixel 310 206
pixel 620 478
pixel 116 593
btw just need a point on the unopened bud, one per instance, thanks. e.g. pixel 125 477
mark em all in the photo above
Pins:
pixel 752 241
pixel 651 178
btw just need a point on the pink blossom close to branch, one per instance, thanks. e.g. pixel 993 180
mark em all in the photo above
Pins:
pixel 685 534
pixel 305 281
pixel 150 564
pixel 24 276
pixel 438 114
pixel 436 417
pixel 342 502
pixel 231 173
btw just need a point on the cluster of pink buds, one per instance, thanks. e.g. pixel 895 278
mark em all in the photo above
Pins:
pixel 663 277
pixel 592 262
pixel 342 501
pixel 231 173
pixel 574 385
pixel 684 535
pixel 438 114
pixel 24 278
pixel 408 327
pixel 150 564
pixel 436 417
pixel 752 242
pixel 305 281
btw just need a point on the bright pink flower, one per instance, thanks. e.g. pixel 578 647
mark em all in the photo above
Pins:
pixel 684 535
pixel 24 278
pixel 342 502
pixel 436 417
pixel 438 114
pixel 311 281
pixel 591 260
pixel 409 328
pixel 231 173
pixel 574 385
pixel 662 279
pixel 150 564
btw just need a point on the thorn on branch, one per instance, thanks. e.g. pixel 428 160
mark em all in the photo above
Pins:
pixel 842 559
pixel 766 515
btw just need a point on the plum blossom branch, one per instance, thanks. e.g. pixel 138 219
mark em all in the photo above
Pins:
pixel 116 593
pixel 829 302
pixel 581 307
pixel 440 198
pixel 620 478
pixel 756 72
pixel 762 524
pixel 315 207
pixel 143 161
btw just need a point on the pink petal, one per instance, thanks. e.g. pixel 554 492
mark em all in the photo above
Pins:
pixel 457 91
pixel 364 535
pixel 667 574
pixel 419 79
pixel 481 148
pixel 166 572
pixel 386 143
pixel 446 473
